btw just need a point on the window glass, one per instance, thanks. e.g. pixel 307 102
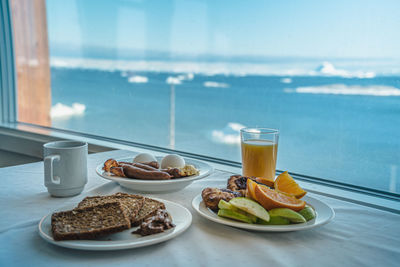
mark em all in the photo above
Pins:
pixel 188 75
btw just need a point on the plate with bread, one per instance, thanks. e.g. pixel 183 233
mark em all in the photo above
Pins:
pixel 147 173
pixel 114 222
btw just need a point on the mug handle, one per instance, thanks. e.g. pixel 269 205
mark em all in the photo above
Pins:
pixel 49 177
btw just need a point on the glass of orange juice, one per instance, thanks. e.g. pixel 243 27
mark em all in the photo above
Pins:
pixel 259 151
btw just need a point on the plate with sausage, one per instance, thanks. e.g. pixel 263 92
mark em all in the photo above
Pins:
pixel 154 175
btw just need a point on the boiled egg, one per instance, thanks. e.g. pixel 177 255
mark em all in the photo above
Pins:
pixel 144 158
pixel 172 161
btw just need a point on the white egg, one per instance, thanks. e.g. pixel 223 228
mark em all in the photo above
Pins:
pixel 144 158
pixel 172 161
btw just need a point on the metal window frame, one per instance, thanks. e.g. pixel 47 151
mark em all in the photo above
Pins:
pixel 8 109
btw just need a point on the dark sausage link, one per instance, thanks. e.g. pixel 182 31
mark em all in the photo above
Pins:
pixel 139 173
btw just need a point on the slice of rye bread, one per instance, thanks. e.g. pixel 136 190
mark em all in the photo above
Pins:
pixel 132 202
pixel 150 208
pixel 90 222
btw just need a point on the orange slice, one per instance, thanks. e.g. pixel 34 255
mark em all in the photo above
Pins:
pixel 266 181
pixel 250 189
pixel 285 183
pixel 271 199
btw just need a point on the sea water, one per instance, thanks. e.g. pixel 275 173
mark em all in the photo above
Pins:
pixel 345 128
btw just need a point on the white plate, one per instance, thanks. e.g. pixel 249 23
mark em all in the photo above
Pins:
pixel 181 217
pixel 324 215
pixel 158 185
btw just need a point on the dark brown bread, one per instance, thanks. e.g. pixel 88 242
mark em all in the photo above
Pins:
pixel 90 222
pixel 132 202
pixel 149 209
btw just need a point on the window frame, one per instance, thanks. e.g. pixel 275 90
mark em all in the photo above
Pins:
pixel 8 111
pixel 36 135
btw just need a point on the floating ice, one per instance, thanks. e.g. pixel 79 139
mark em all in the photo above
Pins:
pixel 60 110
pixel 342 89
pixel 173 80
pixel 138 79
pixel 185 70
pixel 215 84
pixel 229 135
pixel 286 80
pixel 327 69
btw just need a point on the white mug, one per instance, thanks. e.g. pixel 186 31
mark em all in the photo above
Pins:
pixel 65 167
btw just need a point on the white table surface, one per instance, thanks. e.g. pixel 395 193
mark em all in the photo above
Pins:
pixel 358 235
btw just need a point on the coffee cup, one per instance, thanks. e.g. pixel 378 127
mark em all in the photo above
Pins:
pixel 65 167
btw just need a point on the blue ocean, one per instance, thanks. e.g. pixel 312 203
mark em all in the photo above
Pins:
pixel 337 121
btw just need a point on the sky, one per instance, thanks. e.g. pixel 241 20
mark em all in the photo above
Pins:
pixel 308 28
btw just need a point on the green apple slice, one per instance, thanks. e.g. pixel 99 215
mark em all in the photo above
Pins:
pixel 234 215
pixel 308 213
pixel 275 220
pixel 250 206
pixel 291 215
pixel 225 205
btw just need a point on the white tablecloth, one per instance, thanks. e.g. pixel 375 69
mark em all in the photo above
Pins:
pixel 358 235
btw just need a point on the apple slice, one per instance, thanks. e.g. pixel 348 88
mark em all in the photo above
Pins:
pixel 250 206
pixel 275 220
pixel 234 215
pixel 291 215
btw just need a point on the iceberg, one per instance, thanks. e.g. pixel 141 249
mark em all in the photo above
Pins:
pixel 215 84
pixel 342 89
pixel 60 110
pixel 138 79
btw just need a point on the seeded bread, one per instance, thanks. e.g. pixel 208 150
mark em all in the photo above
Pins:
pixel 90 222
pixel 133 203
pixel 149 208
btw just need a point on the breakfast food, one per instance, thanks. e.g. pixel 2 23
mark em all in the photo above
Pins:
pixel 212 196
pixel 149 208
pixel 271 203
pixel 133 203
pixel 144 158
pixel 97 216
pixel 90 222
pixel 237 183
pixel 140 173
pixel 158 223
pixel 172 161
pixel 146 167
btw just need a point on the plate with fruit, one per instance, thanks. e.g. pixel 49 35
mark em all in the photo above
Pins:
pixel 148 173
pixel 277 206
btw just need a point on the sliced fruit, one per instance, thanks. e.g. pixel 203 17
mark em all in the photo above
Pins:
pixel 308 213
pixel 285 183
pixel 222 204
pixel 250 187
pixel 275 220
pixel 250 206
pixel 234 215
pixel 289 214
pixel 267 181
pixel 271 199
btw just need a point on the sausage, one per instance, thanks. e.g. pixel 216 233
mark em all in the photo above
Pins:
pixel 153 164
pixel 144 166
pixel 139 173
pixel 174 172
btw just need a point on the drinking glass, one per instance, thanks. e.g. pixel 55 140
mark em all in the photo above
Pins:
pixel 259 151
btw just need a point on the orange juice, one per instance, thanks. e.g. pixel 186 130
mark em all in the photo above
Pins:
pixel 259 158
